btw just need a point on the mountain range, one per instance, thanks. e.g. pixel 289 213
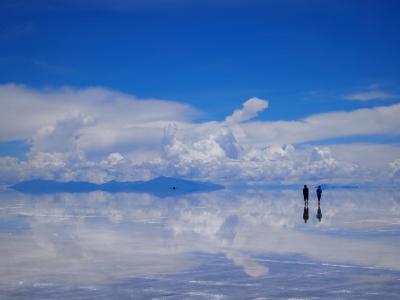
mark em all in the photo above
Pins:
pixel 160 186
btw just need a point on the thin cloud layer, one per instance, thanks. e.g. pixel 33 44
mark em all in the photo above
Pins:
pixel 369 121
pixel 370 95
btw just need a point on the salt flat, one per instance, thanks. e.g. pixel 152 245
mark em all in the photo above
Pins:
pixel 227 244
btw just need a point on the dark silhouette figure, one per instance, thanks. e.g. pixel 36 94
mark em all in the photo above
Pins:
pixel 319 193
pixel 319 213
pixel 305 194
pixel 305 213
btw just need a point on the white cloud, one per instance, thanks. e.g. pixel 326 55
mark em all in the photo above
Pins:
pixel 203 156
pixel 113 159
pixel 24 111
pixel 62 136
pixel 369 121
pixel 250 109
pixel 373 155
pixel 96 134
pixel 370 95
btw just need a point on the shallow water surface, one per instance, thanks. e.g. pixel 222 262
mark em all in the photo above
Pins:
pixel 228 244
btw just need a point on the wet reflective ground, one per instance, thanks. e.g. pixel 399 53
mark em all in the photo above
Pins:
pixel 221 245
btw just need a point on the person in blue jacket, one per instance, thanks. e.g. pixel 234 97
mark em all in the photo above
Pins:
pixel 319 193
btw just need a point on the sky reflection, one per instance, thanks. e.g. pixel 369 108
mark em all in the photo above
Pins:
pixel 102 239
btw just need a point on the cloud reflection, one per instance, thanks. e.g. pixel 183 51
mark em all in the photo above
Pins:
pixel 101 238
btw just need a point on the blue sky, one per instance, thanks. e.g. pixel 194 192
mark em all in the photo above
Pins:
pixel 308 54
pixel 305 57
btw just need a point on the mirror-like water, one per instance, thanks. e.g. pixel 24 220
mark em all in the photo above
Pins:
pixel 220 245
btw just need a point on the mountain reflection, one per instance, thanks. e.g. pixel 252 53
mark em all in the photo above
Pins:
pixel 100 237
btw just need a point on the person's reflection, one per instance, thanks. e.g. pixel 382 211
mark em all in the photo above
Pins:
pixel 305 212
pixel 319 213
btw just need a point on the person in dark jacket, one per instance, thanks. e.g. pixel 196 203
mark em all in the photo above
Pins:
pixel 305 194
pixel 319 193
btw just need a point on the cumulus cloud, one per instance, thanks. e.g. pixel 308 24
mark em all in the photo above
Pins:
pixel 62 136
pixel 205 156
pixel 97 134
pixel 370 95
pixel 250 109
pixel 25 111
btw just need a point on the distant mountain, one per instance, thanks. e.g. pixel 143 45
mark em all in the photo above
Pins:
pixel 160 186
pixel 338 186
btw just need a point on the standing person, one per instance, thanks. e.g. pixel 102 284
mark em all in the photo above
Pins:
pixel 305 194
pixel 319 193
